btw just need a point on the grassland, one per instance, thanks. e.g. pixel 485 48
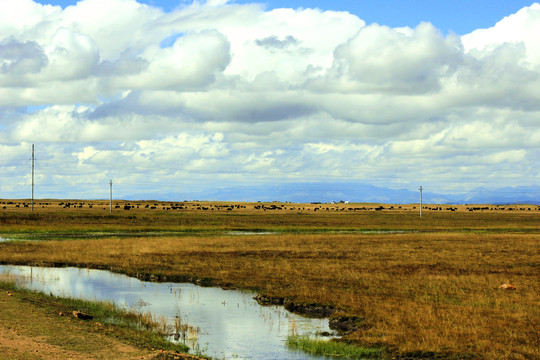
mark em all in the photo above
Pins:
pixel 418 287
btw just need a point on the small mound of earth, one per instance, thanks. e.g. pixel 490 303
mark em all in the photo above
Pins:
pixel 311 310
pixel 347 324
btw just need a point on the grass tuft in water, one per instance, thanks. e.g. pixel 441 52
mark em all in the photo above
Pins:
pixel 332 348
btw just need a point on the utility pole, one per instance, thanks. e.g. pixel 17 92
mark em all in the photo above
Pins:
pixel 110 197
pixel 420 201
pixel 32 177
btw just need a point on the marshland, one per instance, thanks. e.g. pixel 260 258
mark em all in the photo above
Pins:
pixel 402 285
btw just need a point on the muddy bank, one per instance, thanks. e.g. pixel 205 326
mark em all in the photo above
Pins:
pixel 210 319
pixel 143 276
pixel 173 355
pixel 34 325
pixel 311 310
pixel 342 324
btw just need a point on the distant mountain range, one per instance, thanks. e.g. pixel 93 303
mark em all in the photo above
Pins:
pixel 354 192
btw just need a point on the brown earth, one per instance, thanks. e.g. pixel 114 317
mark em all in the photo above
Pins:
pixel 60 337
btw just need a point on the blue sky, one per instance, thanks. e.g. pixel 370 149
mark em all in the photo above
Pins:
pixel 233 100
pixel 460 16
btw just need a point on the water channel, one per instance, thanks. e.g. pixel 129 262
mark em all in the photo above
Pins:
pixel 229 324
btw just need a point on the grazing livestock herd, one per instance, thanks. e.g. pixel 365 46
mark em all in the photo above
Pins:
pixel 122 205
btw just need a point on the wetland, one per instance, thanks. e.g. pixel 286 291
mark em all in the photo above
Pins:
pixel 416 288
pixel 210 320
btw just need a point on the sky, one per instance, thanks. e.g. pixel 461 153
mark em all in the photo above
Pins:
pixel 180 99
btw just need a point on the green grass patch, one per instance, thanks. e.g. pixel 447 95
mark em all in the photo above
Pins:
pixel 333 348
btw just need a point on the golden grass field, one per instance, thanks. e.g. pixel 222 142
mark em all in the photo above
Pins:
pixel 422 287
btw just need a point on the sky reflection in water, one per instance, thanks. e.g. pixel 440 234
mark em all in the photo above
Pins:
pixel 232 324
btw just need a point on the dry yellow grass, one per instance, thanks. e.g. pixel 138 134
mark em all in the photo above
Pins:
pixel 433 287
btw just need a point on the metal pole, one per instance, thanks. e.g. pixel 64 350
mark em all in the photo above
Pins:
pixel 32 177
pixel 110 197
pixel 420 201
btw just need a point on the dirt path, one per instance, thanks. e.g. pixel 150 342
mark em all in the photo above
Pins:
pixel 16 346
pixel 29 330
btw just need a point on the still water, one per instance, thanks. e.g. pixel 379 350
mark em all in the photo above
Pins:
pixel 223 323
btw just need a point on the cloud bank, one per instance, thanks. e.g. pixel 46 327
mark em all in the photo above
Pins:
pixel 216 93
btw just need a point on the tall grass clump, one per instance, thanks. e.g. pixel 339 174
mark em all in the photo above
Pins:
pixel 332 348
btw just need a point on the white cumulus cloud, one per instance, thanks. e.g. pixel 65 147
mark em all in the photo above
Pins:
pixel 216 87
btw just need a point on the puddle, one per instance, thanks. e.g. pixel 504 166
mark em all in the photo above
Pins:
pixel 240 233
pixel 98 235
pixel 228 324
pixel 134 234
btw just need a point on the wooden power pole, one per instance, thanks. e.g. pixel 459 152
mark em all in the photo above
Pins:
pixel 32 177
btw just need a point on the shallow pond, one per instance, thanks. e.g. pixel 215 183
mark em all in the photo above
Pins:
pixel 224 323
